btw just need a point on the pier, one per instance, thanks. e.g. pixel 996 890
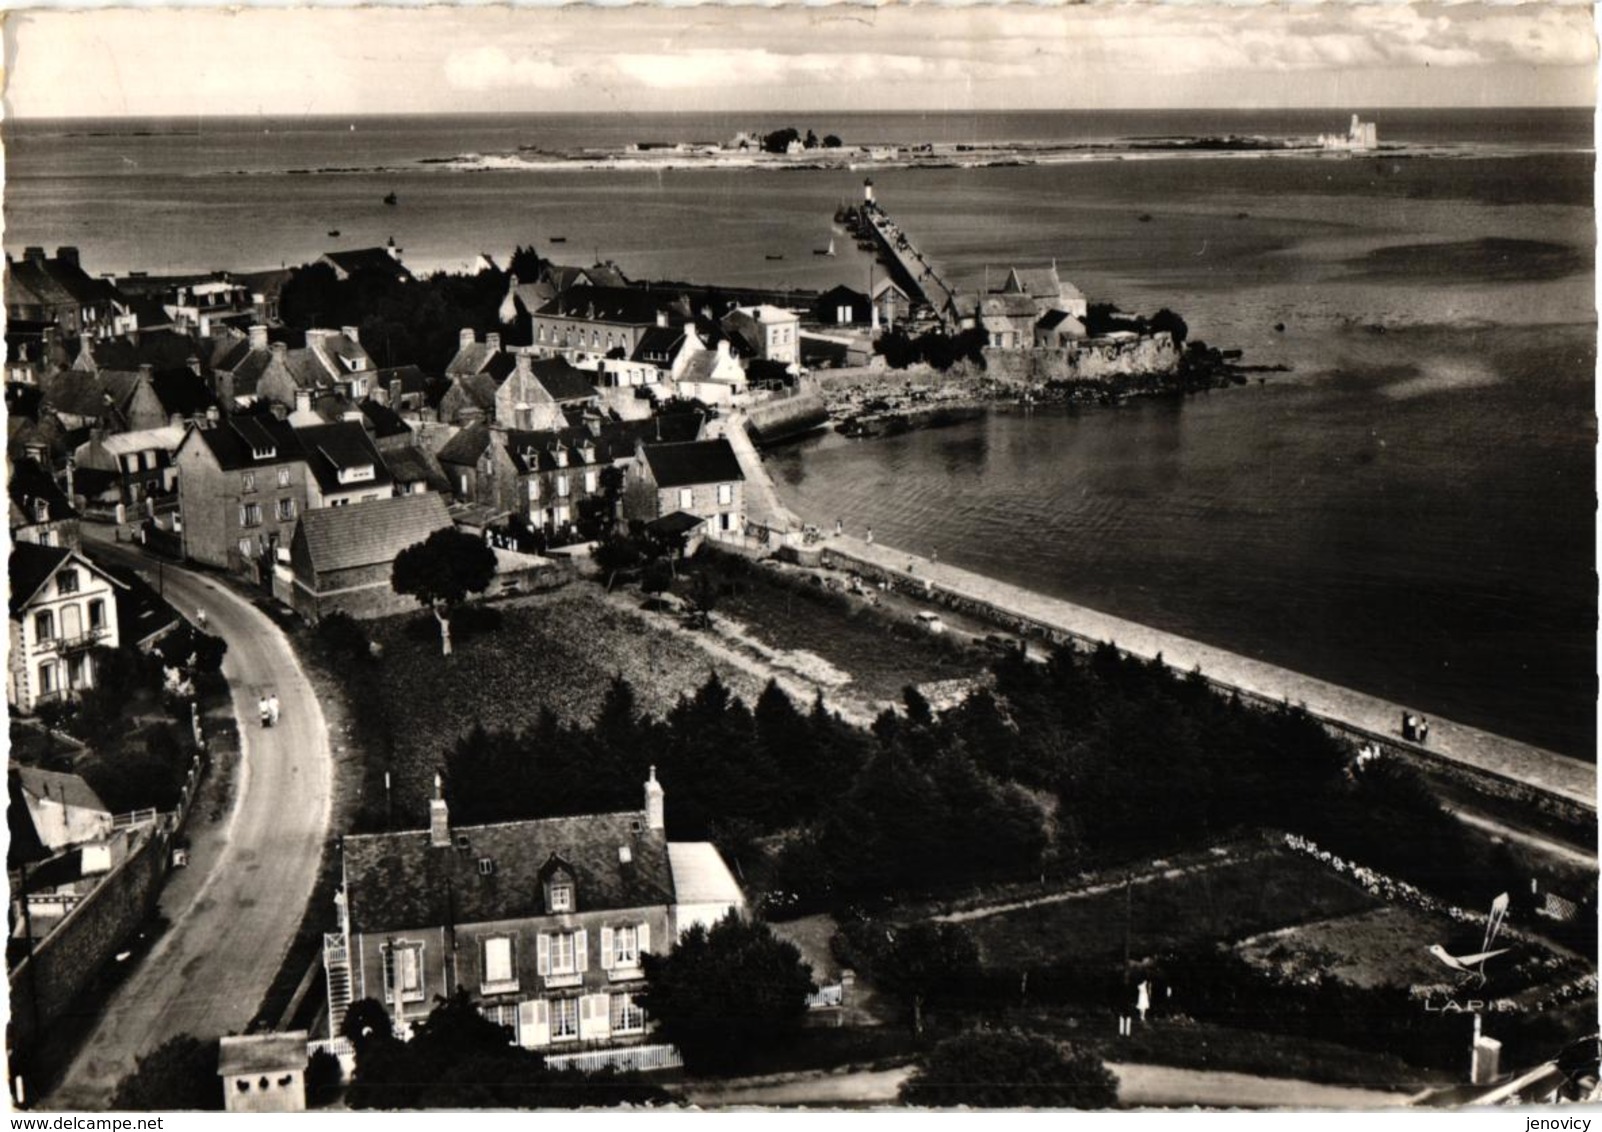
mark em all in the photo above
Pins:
pixel 909 268
pixel 1568 780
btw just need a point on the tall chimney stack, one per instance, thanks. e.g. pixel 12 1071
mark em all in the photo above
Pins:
pixel 258 337
pixel 439 818
pixel 655 810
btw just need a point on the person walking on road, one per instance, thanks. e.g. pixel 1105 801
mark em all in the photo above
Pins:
pixel 266 710
pixel 200 619
pixel 272 709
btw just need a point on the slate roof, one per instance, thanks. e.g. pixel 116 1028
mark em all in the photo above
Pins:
pixel 31 566
pixel 415 465
pixel 694 462
pixel 700 875
pixel 659 344
pixel 370 259
pixel 470 359
pixel 26 845
pixel 141 612
pixel 384 421
pixel 371 533
pixel 81 394
pixel 27 280
pixel 246 1055
pixel 624 305
pixel 667 428
pixel 466 446
pixel 397 881
pixel 158 348
pixel 678 523
pixel 233 441
pixel 182 391
pixel 343 444
pixel 535 451
pixel 562 380
pixel 68 789
pixel 29 483
pixel 145 439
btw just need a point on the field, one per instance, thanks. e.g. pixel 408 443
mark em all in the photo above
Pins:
pixel 1252 889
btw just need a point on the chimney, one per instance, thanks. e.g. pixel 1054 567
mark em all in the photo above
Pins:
pixel 353 333
pixel 493 341
pixel 303 400
pixel 525 366
pixel 280 351
pixel 439 818
pixel 723 349
pixel 212 416
pixel 464 338
pixel 68 255
pixel 655 814
pixel 395 394
pixel 33 255
pixel 662 319
pixel 145 372
pixel 258 337
pixel 71 469
pixel 524 416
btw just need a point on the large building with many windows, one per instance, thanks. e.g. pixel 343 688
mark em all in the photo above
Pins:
pixel 544 922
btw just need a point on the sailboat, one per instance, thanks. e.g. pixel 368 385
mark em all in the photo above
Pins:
pixel 825 251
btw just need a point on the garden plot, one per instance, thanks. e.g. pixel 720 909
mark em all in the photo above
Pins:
pixel 1168 909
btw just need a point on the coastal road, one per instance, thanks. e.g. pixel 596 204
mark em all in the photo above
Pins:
pixel 234 912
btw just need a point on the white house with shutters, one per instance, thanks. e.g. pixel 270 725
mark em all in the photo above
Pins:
pixel 543 922
pixel 63 607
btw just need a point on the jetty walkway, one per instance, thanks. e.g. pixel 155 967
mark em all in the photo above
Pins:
pixel 1568 779
pixel 908 265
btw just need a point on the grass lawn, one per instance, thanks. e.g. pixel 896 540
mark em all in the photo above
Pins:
pixel 883 651
pixel 557 650
pixel 1227 899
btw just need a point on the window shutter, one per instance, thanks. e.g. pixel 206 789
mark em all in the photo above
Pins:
pixel 581 949
pixel 606 949
pixel 644 938
pixel 538 1030
pixel 544 955
pixel 594 1016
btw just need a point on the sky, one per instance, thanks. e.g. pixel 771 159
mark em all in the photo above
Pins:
pixel 837 57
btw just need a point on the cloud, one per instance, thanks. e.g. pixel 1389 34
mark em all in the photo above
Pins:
pixel 491 68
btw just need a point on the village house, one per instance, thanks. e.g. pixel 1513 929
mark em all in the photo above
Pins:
pixel 402 388
pixel 842 306
pixel 341 558
pixel 263 1072
pixel 891 306
pixel 766 331
pixel 63 606
pixel 594 322
pixel 41 513
pixel 701 478
pixel 63 809
pixel 345 465
pixel 241 487
pixel 141 461
pixel 522 401
pixel 385 261
pixel 524 298
pixel 710 374
pixel 41 289
pixel 544 923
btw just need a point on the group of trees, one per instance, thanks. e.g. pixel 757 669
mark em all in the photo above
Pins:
pixel 779 141
pixel 415 323
pixel 933 347
pixel 1104 318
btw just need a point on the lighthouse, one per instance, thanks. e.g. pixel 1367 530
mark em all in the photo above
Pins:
pixel 867 191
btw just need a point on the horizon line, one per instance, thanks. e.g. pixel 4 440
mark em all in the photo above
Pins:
pixel 946 113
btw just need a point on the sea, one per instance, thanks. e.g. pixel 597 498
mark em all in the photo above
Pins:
pixel 1404 503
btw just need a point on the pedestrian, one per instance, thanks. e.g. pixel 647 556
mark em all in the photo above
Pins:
pixel 1423 731
pixel 200 619
pixel 839 527
pixel 870 536
pixel 266 712
pixel 1409 726
pixel 272 707
pixel 934 556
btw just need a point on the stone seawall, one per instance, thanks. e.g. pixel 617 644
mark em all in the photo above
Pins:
pixel 1560 784
pixel 1087 361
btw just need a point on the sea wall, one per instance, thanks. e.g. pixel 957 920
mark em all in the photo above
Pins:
pixel 1085 361
pixel 778 419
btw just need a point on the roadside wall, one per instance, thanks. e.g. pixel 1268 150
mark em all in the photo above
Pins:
pixel 44 986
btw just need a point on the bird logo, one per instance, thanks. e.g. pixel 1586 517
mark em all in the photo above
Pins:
pixel 1473 966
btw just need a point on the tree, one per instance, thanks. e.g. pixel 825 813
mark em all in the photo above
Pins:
pixel 441 572
pixel 617 555
pixel 723 994
pixel 1010 1070
pixel 180 1074
pixel 658 577
pixel 706 590
pixel 527 264
pixel 831 141
pixel 811 141
pixel 366 1020
pixel 779 140
pixel 924 957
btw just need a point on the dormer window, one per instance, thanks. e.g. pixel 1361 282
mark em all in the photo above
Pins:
pixel 357 473
pixel 41 510
pixel 263 453
pixel 67 582
pixel 559 896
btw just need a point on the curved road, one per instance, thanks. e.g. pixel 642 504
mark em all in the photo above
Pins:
pixel 231 926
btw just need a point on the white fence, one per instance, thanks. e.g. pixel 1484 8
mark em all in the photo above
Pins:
pixel 640 1059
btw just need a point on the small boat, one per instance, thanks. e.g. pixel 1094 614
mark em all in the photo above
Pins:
pixel 773 257
pixel 392 199
pixel 1145 218
pixel 825 251
pixel 333 231
pixel 558 239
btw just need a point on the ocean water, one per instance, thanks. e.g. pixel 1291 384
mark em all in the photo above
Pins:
pixel 1409 510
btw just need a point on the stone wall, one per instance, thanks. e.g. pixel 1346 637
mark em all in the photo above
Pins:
pixel 45 986
pixel 1086 361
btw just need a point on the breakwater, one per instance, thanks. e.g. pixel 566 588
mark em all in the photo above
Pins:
pixel 1523 770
